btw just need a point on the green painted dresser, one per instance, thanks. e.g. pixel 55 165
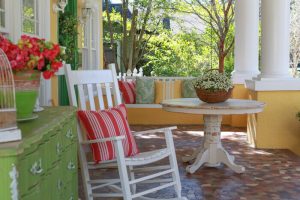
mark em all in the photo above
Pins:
pixel 43 166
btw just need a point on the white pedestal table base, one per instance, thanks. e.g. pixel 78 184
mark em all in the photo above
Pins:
pixel 211 152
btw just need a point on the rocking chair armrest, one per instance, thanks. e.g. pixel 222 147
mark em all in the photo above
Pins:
pixel 103 140
pixel 154 131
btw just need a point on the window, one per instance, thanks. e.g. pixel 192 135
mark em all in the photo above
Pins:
pixel 30 17
pixel 91 45
pixel 2 14
pixel 3 18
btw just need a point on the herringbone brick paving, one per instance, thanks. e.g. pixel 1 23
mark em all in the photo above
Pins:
pixel 270 174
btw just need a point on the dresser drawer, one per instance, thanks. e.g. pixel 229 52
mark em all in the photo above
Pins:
pixel 59 183
pixel 70 163
pixel 69 133
pixel 33 195
pixel 69 194
pixel 55 148
pixel 31 169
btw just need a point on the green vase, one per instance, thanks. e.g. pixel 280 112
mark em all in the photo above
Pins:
pixel 27 84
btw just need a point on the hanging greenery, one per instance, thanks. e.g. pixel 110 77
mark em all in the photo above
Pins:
pixel 68 33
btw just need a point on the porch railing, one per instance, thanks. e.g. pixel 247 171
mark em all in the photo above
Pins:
pixel 168 83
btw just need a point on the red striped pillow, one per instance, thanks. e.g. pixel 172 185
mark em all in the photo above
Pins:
pixel 127 89
pixel 104 124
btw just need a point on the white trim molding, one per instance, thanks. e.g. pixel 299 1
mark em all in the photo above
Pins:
pixel 13 174
pixel 240 78
pixel 289 84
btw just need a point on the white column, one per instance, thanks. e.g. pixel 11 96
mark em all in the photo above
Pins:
pixel 275 49
pixel 275 39
pixel 246 40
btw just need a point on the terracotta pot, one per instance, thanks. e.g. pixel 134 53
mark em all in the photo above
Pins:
pixel 27 84
pixel 213 97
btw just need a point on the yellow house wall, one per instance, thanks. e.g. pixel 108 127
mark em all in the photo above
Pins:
pixel 277 126
pixel 158 116
pixel 239 92
pixel 53 38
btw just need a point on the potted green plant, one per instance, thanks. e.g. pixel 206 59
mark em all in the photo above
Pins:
pixel 213 86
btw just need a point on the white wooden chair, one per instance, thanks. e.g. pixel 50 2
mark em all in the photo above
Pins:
pixel 92 82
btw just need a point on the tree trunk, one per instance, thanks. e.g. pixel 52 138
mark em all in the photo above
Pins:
pixel 124 56
pixel 222 56
pixel 132 38
pixel 221 63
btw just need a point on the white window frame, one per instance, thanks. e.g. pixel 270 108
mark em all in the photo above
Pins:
pixel 91 42
pixel 5 29
pixel 36 20
pixel 43 12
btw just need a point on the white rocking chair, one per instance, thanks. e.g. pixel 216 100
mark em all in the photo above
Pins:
pixel 89 83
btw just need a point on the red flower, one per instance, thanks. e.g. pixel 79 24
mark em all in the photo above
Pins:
pixel 56 65
pixel 32 53
pixel 51 54
pixel 41 63
pixel 48 74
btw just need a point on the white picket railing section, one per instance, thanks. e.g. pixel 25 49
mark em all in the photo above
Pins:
pixel 129 73
pixel 167 82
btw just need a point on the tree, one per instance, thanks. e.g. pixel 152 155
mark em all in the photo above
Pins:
pixel 145 21
pixel 295 36
pixel 219 16
pixel 178 54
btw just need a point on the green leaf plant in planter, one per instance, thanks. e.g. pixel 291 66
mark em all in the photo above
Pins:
pixel 213 86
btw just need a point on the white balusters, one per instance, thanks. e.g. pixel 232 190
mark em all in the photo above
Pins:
pixel 129 73
pixel 135 72
pixel 141 72
pixel 119 76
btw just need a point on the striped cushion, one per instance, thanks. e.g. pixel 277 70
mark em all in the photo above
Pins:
pixel 104 124
pixel 127 89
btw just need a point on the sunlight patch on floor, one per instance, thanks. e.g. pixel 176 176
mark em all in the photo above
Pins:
pixel 194 133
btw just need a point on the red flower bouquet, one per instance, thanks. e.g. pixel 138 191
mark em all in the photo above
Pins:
pixel 32 53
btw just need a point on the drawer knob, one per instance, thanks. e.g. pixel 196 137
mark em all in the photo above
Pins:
pixel 70 134
pixel 36 168
pixel 71 165
pixel 59 184
pixel 58 148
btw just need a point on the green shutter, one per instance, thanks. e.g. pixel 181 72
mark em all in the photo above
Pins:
pixel 71 56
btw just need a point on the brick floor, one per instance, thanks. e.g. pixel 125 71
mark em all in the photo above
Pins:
pixel 270 174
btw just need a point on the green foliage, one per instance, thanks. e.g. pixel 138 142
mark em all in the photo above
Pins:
pixel 173 55
pixel 218 18
pixel 183 54
pixel 117 26
pixel 68 36
pixel 298 115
